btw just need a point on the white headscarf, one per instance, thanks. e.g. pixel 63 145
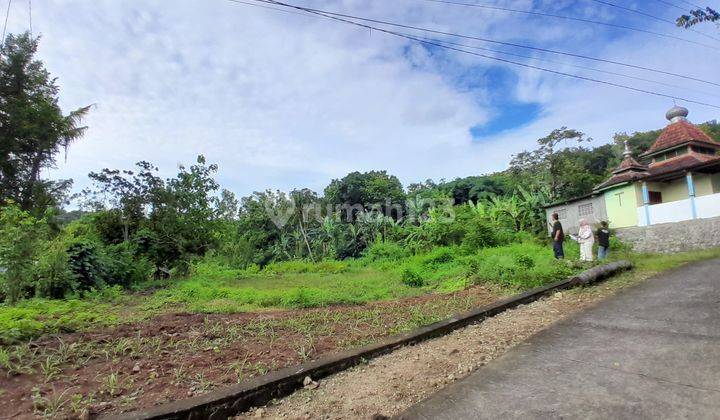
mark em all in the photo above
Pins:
pixel 585 234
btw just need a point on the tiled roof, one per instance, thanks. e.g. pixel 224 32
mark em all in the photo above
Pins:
pixel 677 133
pixel 629 164
pixel 621 178
pixel 628 170
pixel 680 163
pixel 680 131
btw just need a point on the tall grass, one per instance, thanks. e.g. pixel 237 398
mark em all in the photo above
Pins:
pixel 384 274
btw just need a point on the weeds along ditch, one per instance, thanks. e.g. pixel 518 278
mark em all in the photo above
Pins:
pixel 114 351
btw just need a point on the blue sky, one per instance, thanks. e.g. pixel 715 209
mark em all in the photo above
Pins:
pixel 286 101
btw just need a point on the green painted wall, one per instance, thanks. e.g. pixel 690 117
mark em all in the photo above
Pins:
pixel 677 190
pixel 716 183
pixel 703 184
pixel 674 190
pixel 621 204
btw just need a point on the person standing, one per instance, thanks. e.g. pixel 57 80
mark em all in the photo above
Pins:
pixel 558 236
pixel 586 239
pixel 603 235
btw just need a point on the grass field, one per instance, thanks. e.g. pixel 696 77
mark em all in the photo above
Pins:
pixel 116 350
pixel 212 288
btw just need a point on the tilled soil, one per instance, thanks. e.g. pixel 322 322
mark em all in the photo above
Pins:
pixel 178 355
pixel 391 383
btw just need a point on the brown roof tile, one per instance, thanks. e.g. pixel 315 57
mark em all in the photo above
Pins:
pixel 629 163
pixel 680 163
pixel 621 178
pixel 680 132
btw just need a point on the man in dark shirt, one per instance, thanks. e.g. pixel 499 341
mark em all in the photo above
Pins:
pixel 603 235
pixel 558 236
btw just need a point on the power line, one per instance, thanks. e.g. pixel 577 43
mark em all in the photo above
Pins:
pixel 631 10
pixel 667 3
pixel 651 16
pixel 692 4
pixel 362 25
pixel 642 79
pixel 273 8
pixel 7 14
pixel 30 14
pixel 577 19
pixel 512 54
pixel 492 41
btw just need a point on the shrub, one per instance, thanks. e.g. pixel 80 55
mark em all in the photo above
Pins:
pixel 124 267
pixel 444 233
pixel 412 278
pixel 619 246
pixel 472 266
pixel 479 234
pixel 109 226
pixel 438 256
pixel 21 237
pixel 237 253
pixel 506 236
pixel 525 237
pixel 54 279
pixel 380 251
pixel 518 266
pixel 86 265
pixel 525 261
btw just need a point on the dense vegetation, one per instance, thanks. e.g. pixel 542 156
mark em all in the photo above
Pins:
pixel 137 229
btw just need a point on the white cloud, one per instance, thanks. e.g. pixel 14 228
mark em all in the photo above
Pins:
pixel 285 101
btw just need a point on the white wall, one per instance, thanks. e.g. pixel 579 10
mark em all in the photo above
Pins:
pixel 708 205
pixel 676 211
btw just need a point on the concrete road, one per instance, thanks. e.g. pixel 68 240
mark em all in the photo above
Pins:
pixel 650 352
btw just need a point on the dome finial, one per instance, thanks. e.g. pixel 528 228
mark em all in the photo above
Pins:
pixel 627 153
pixel 676 113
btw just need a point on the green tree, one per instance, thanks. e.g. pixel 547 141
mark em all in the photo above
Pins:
pixel 228 205
pixel 122 198
pixel 639 142
pixel 462 190
pixel 261 218
pixel 169 219
pixel 550 164
pixel 368 189
pixel 304 202
pixel 33 129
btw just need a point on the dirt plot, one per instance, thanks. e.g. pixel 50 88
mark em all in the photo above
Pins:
pixel 389 384
pixel 175 356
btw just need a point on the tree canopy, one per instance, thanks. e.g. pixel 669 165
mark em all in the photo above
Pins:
pixel 367 189
pixel 33 128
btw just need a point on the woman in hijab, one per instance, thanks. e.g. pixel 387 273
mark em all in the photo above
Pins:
pixel 586 239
